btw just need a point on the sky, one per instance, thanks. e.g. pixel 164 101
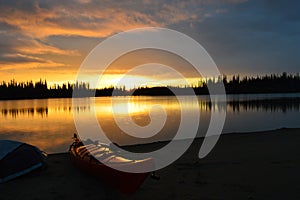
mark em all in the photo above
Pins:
pixel 49 39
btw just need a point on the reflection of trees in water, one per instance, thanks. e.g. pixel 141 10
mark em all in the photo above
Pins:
pixel 40 111
pixel 79 109
pixel 273 105
pixel 212 106
pixel 15 112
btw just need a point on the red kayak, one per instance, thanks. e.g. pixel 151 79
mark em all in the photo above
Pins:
pixel 87 158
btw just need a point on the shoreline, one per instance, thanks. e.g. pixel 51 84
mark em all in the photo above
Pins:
pixel 202 137
pixel 258 165
pixel 162 95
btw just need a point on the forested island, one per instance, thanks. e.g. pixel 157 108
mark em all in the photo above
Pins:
pixel 283 83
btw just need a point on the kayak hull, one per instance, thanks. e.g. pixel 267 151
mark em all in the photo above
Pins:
pixel 125 182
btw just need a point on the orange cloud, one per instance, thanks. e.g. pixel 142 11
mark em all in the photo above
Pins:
pixel 39 48
pixel 75 21
pixel 29 25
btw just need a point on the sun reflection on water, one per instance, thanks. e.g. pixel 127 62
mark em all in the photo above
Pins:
pixel 49 124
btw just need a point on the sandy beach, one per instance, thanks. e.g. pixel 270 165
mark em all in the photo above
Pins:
pixel 262 165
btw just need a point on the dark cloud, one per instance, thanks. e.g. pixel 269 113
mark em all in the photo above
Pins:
pixel 18 58
pixel 252 38
pixel 11 39
pixel 81 43
pixel 24 5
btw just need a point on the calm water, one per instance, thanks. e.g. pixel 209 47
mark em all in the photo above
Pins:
pixel 49 123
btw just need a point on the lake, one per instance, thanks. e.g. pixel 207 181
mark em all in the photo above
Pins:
pixel 49 123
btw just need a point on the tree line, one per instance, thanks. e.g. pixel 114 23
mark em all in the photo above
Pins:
pixel 274 83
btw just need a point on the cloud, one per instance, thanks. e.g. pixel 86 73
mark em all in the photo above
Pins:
pixel 19 58
pixel 151 61
pixel 251 38
pixel 19 51
pixel 44 18
pixel 242 36
pixel 36 32
pixel 72 18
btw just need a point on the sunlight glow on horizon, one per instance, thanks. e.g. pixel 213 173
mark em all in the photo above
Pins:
pixel 134 81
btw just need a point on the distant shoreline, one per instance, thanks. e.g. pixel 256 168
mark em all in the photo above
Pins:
pixel 157 95
pixel 268 84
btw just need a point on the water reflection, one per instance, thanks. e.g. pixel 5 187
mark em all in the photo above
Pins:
pixel 48 123
pixel 273 105
pixel 138 109
pixel 14 112
pixel 140 106
pixel 40 111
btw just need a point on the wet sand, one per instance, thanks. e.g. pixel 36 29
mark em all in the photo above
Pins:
pixel 263 165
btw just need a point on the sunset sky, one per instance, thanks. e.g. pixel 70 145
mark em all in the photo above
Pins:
pixel 49 39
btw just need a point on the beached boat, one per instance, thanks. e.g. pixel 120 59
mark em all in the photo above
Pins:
pixel 17 159
pixel 88 157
